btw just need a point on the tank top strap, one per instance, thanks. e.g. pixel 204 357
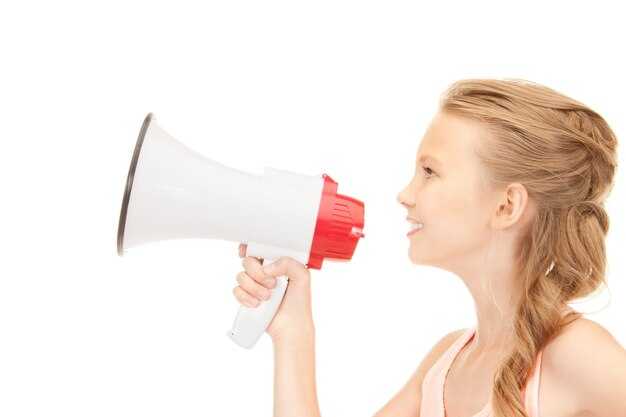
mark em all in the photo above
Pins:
pixel 531 395
pixel 435 380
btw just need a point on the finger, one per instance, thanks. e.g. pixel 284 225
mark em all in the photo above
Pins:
pixel 287 266
pixel 254 268
pixel 245 298
pixel 253 288
pixel 242 250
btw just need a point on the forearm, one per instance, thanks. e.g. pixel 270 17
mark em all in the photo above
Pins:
pixel 295 390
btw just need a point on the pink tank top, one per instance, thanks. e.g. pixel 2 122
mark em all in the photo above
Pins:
pixel 435 379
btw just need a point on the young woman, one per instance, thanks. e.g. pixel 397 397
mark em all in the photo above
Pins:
pixel 508 194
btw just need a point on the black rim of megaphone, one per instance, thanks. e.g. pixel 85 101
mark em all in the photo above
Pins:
pixel 129 183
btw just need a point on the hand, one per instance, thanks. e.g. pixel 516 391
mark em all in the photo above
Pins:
pixel 294 317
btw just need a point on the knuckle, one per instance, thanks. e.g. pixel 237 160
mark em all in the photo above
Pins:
pixel 241 277
pixel 249 262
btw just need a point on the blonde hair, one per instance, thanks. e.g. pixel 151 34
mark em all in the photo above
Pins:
pixel 565 155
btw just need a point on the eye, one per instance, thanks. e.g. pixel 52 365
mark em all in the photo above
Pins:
pixel 429 172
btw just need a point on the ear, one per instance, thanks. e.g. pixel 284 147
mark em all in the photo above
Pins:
pixel 512 207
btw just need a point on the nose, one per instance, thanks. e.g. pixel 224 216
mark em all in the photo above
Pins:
pixel 406 197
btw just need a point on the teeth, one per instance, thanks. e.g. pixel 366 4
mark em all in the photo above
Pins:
pixel 415 225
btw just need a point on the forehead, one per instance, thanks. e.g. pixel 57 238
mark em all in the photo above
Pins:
pixel 451 139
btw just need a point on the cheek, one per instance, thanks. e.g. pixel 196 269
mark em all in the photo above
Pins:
pixel 455 219
pixel 446 206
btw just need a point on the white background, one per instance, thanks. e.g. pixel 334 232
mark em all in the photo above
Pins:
pixel 338 87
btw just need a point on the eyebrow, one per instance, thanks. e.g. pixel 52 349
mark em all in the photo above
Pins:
pixel 428 159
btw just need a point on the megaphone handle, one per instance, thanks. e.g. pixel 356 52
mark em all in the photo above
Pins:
pixel 250 323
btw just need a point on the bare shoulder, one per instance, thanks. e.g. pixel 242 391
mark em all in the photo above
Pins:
pixel 585 365
pixel 583 346
pixel 435 353
pixel 407 401
pixel 441 347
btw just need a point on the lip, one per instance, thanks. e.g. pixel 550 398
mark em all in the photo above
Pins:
pixel 414 231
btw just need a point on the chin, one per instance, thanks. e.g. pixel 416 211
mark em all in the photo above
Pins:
pixel 418 259
pixel 422 260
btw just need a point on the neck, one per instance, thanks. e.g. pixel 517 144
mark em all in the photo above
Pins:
pixel 494 328
pixel 492 288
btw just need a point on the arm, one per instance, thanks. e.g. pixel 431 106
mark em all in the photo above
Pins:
pixel 295 389
pixel 292 333
pixel 293 338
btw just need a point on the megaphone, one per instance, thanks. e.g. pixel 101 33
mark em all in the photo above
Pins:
pixel 173 192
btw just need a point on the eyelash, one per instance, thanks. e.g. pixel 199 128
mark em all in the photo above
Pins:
pixel 429 172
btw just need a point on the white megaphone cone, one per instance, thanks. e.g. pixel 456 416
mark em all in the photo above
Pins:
pixel 172 192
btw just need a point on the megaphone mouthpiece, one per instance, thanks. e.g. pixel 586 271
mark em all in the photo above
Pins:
pixel 339 226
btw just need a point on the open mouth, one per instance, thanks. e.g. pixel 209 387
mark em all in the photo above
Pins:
pixel 414 227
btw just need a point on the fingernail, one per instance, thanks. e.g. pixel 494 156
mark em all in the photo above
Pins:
pixel 253 302
pixel 270 283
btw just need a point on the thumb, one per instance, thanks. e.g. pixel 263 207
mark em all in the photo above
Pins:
pixel 294 270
